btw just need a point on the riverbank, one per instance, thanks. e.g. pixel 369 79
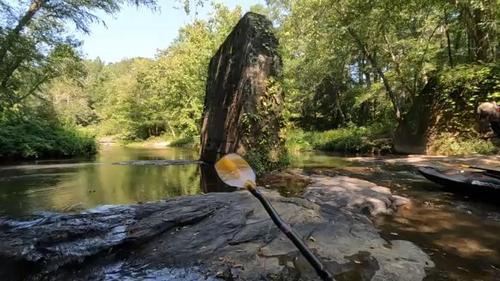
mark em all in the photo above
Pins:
pixel 38 139
pixel 152 142
pixel 378 140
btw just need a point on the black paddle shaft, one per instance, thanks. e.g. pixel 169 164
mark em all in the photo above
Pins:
pixel 290 233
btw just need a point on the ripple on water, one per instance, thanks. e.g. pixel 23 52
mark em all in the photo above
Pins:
pixel 122 272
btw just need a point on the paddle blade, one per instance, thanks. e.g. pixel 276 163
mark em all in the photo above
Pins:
pixel 234 171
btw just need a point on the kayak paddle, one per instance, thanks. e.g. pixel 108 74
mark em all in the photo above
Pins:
pixel 236 172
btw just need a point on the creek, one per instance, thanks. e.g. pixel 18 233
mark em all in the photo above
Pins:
pixel 459 233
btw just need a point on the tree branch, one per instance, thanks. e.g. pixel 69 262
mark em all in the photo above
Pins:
pixel 34 88
pixel 34 7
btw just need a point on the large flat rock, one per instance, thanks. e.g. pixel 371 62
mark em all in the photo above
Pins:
pixel 224 236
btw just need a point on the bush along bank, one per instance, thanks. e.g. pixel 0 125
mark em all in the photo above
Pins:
pixel 378 140
pixel 453 144
pixel 36 138
pixel 375 139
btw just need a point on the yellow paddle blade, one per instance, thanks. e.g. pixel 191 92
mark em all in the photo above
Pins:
pixel 234 171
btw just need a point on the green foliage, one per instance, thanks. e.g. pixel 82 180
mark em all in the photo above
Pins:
pixel 299 140
pixel 262 161
pixel 187 141
pixel 364 62
pixel 460 90
pixel 36 138
pixel 348 65
pixel 34 48
pixel 346 62
pixel 140 98
pixel 352 139
pixel 261 131
pixel 173 88
pixel 451 144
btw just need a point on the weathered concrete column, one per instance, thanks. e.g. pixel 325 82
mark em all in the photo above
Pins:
pixel 243 102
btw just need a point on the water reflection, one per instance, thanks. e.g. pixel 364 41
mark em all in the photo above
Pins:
pixel 69 185
pixel 63 187
pixel 316 159
pixel 210 182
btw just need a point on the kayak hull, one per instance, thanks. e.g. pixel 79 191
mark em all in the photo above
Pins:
pixel 467 182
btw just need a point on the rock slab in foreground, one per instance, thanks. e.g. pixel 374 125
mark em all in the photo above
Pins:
pixel 244 101
pixel 225 236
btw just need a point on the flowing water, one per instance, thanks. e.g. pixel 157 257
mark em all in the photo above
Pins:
pixel 69 185
pixel 461 234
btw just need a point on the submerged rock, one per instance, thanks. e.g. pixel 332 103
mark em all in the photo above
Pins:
pixel 225 236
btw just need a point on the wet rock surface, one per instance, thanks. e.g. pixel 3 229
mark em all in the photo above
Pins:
pixel 224 236
pixel 356 195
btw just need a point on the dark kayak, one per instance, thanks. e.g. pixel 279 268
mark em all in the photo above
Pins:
pixel 470 182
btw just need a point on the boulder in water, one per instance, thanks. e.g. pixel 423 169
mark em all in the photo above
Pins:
pixel 243 102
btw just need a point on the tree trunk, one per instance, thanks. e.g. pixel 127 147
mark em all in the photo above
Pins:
pixel 171 130
pixel 448 41
pixel 7 68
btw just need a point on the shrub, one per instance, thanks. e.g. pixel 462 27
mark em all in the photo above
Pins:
pixel 451 144
pixel 459 92
pixel 265 161
pixel 186 141
pixel 37 138
pixel 352 139
pixel 298 140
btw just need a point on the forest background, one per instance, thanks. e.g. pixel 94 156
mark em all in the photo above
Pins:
pixel 355 72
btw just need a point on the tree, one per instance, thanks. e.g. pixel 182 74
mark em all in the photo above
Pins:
pixel 363 47
pixel 172 91
pixel 33 46
pixel 139 98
